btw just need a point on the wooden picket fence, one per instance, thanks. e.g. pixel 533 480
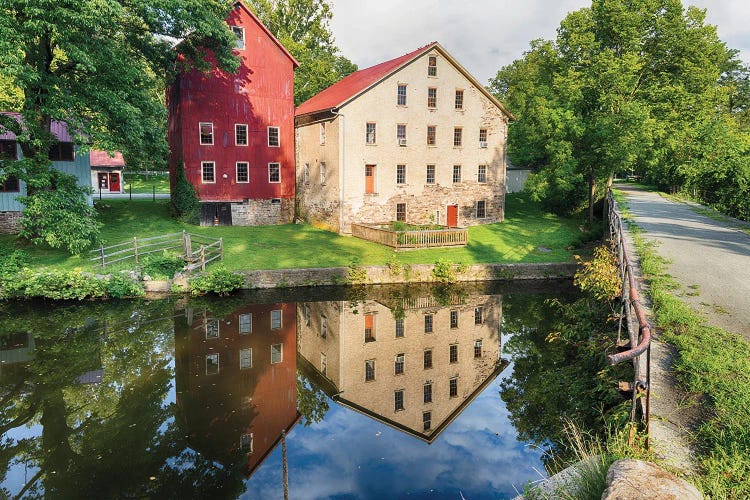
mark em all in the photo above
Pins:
pixel 426 238
pixel 197 250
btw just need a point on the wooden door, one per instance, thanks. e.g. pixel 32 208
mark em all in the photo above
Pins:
pixel 370 179
pixel 114 182
pixel 452 216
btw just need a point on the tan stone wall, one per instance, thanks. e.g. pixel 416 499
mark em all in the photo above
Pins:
pixel 318 202
pixel 10 222
pixel 424 201
pixel 255 212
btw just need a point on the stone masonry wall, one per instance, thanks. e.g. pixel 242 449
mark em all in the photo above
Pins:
pixel 10 222
pixel 262 212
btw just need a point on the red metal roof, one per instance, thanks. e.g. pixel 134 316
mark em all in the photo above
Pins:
pixel 102 159
pixel 268 32
pixel 352 85
pixel 58 129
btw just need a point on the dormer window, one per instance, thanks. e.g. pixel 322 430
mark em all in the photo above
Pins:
pixel 239 32
pixel 432 66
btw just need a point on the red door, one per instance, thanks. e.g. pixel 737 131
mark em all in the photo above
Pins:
pixel 369 179
pixel 114 182
pixel 452 216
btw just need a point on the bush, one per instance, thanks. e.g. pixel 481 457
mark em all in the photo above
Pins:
pixel 11 262
pixel 121 286
pixel 162 266
pixel 61 285
pixel 219 280
pixel 185 202
pixel 445 272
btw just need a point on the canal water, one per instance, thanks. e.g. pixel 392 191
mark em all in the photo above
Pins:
pixel 380 392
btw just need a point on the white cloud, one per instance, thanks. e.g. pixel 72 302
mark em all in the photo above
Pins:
pixel 483 35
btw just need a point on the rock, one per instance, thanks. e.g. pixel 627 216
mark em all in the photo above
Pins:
pixel 629 479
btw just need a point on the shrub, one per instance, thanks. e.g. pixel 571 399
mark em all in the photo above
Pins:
pixel 61 285
pixel 600 277
pixel 356 274
pixel 11 262
pixel 219 280
pixel 120 286
pixel 162 266
pixel 445 272
pixel 185 202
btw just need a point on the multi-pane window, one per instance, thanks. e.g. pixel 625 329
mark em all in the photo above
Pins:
pixel 431 135
pixel 453 353
pixel 246 358
pixel 273 137
pixel 478 315
pixel 61 151
pixel 8 150
pixel 398 400
pixel 478 348
pixel 276 319
pixel 323 327
pixel 240 134
pixel 458 135
pixel 459 99
pixel 212 364
pixel 370 133
pixel 453 387
pixel 206 133
pixel 246 324
pixel 322 133
pixel 239 32
pixel 401 134
pixel 399 327
pixel 400 174
pixel 454 319
pixel 456 173
pixel 243 172
pixel 481 209
pixel 212 328
pixel 208 172
pixel 10 185
pixel 432 97
pixel 482 137
pixel 401 212
pixel 427 359
pixel 369 328
pixel 482 173
pixel 426 420
pixel 246 443
pixel 398 367
pixel 427 393
pixel 323 364
pixel 401 95
pixel 432 66
pixel 277 353
pixel 323 173
pixel 369 370
pixel 430 174
pixel 274 173
pixel 428 323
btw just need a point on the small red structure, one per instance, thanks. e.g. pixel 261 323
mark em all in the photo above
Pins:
pixel 234 133
pixel 106 171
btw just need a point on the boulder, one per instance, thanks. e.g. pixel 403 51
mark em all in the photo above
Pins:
pixel 630 479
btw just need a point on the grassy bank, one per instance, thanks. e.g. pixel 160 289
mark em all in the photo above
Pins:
pixel 527 235
pixel 714 365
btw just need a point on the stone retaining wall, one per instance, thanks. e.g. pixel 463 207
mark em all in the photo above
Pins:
pixel 10 222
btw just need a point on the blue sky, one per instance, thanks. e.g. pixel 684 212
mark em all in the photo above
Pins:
pixel 484 35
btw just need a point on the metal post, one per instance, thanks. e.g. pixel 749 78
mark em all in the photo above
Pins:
pixel 130 191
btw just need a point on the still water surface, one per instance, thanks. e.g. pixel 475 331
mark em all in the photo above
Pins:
pixel 381 393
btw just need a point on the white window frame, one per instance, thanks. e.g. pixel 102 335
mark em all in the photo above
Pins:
pixel 484 205
pixel 457 169
pixel 434 136
pixel 237 172
pixel 239 32
pixel 459 106
pixel 480 169
pixel 212 322
pixel 430 67
pixel 249 352
pixel 323 364
pixel 434 104
pixel 247 135
pixel 430 169
pixel 200 135
pixel 322 133
pixel 245 319
pixel 269 172
pixel 374 133
pixel 398 95
pixel 402 181
pixel 276 314
pixel 281 353
pixel 278 136
pixel 214 355
pixel 458 133
pixel 203 176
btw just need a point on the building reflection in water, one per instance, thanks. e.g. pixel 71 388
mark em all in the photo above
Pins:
pixel 409 363
pixel 236 381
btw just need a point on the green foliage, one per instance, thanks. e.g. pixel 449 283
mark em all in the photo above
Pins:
pixel 185 202
pixel 218 280
pixel 11 262
pixel 600 276
pixel 394 265
pixel 447 272
pixel 61 218
pixel 162 266
pixel 355 274
pixel 121 286
pixel 312 402
pixel 62 285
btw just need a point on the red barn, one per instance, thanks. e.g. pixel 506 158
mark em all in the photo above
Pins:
pixel 234 133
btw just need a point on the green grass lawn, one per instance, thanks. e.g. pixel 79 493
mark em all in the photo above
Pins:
pixel 527 235
pixel 145 183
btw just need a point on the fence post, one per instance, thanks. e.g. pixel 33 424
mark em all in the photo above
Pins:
pixel 135 249
pixel 188 245
pixel 203 258
pixel 153 192
pixel 101 252
pixel 221 248
pixel 130 191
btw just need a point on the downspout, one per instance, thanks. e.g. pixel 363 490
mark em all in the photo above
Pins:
pixel 342 156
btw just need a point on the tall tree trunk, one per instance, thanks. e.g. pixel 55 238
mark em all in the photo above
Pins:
pixel 592 192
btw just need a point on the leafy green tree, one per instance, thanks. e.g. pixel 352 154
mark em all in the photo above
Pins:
pixel 99 67
pixel 302 26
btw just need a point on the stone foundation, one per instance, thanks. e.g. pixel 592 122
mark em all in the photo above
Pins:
pixel 263 212
pixel 10 222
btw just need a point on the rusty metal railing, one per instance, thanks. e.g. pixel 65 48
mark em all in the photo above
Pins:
pixel 638 328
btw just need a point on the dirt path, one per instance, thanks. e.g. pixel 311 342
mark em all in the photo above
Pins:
pixel 709 258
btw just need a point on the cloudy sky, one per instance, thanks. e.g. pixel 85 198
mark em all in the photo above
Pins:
pixel 483 35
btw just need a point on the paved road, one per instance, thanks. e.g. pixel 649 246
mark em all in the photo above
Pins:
pixel 709 258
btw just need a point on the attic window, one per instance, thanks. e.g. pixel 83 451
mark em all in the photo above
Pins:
pixel 239 32
pixel 432 66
